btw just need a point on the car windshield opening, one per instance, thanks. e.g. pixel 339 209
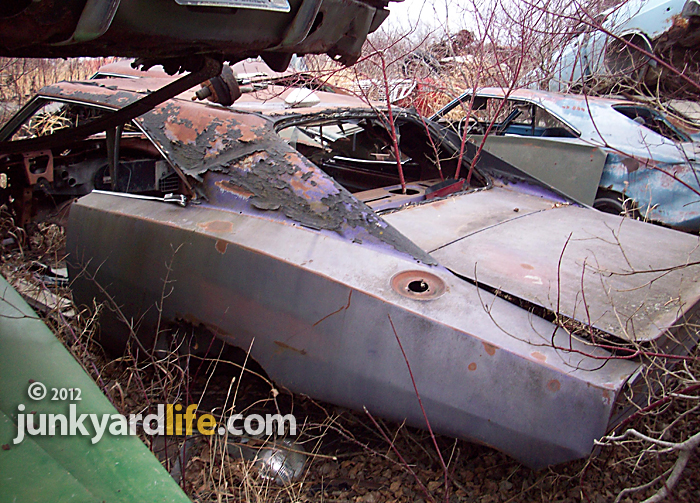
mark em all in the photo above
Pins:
pixel 123 160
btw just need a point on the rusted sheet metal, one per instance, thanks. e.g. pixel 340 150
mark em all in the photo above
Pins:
pixel 666 192
pixel 127 111
pixel 97 93
pixel 317 311
pixel 261 164
pixel 201 139
pixel 269 100
pixel 247 71
pixel 164 31
pixel 594 268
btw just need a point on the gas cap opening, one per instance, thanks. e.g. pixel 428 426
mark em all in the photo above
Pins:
pixel 418 285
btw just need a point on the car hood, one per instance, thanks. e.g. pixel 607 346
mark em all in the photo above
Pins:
pixel 632 280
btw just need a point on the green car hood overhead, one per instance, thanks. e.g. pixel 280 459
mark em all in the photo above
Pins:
pixel 557 257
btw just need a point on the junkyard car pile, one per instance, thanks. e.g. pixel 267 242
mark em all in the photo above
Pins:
pixel 523 314
pixel 613 154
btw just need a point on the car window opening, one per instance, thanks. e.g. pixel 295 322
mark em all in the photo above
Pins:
pixel 653 120
pixel 75 169
pixel 514 117
pixel 359 154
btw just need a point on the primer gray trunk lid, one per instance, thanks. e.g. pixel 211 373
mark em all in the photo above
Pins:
pixel 587 265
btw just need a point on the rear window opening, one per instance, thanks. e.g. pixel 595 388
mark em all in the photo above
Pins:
pixel 653 120
pixel 360 155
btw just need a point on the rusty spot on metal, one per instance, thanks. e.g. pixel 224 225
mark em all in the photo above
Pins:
pixel 221 246
pixel 246 164
pixel 526 266
pixel 490 348
pixel 287 346
pixel 247 133
pixel 342 308
pixel 472 366
pixel 234 189
pixel 554 385
pixel 217 226
pixel 538 356
pixel 439 203
pixel 293 157
pixel 179 132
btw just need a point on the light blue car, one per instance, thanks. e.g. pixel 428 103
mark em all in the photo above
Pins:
pixel 651 25
pixel 612 154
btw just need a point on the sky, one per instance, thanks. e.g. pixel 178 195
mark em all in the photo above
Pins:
pixel 430 12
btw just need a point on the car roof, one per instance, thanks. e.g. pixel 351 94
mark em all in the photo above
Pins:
pixel 269 101
pixel 547 96
pixel 597 122
pixel 243 69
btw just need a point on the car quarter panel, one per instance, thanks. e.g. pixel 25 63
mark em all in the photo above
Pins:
pixel 319 313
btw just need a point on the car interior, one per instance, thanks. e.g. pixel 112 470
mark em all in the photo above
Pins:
pixel 502 117
pixel 358 152
pixel 360 155
pixel 57 176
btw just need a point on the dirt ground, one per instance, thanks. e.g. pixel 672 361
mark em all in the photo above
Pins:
pixel 349 456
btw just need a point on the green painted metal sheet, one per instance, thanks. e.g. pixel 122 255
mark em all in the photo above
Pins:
pixel 569 165
pixel 61 467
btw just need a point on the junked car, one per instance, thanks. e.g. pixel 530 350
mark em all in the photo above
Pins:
pixel 670 29
pixel 174 32
pixel 290 230
pixel 614 154
pixel 250 73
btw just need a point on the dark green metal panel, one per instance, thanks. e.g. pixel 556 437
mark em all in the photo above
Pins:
pixel 63 468
pixel 573 168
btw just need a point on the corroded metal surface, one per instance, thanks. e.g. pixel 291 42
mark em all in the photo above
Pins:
pixel 274 252
pixel 589 266
pixel 128 108
pixel 162 30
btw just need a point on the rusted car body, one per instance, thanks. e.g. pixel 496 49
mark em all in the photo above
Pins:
pixel 250 73
pixel 519 312
pixel 177 30
pixel 613 154
pixel 667 28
